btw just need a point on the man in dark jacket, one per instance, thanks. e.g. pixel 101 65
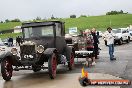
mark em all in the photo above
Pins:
pixel 10 41
pixel 96 42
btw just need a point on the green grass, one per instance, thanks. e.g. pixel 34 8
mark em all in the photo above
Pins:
pixel 14 35
pixel 10 25
pixel 99 22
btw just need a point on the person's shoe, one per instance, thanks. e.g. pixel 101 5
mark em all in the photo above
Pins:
pixel 94 63
pixel 114 58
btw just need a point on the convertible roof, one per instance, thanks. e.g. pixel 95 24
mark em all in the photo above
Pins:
pixel 37 24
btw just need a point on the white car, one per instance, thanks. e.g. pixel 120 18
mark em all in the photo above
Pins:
pixel 121 35
pixel 130 32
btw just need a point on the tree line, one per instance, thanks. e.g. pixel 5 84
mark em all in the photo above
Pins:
pixel 71 16
pixel 116 12
pixel 14 20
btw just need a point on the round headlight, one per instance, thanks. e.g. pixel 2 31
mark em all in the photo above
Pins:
pixel 40 49
pixel 14 51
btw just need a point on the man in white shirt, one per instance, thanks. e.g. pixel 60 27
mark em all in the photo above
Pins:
pixel 109 35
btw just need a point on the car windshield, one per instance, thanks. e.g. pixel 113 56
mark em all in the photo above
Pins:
pixel 116 31
pixel 38 31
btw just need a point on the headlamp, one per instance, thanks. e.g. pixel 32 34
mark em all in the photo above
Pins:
pixel 40 49
pixel 14 51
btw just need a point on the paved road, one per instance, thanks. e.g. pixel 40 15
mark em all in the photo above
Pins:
pixel 122 68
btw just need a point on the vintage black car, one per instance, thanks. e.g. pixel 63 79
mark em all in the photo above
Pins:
pixel 44 42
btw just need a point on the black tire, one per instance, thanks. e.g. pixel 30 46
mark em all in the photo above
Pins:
pixel 120 42
pixel 128 40
pixel 52 66
pixel 71 61
pixel 6 69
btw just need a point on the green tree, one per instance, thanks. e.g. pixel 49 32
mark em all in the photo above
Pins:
pixel 83 16
pixel 38 18
pixel 7 20
pixel 72 16
pixel 16 20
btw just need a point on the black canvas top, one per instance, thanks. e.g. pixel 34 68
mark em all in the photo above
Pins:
pixel 36 24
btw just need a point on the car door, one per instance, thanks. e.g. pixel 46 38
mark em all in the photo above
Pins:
pixel 124 34
pixel 60 40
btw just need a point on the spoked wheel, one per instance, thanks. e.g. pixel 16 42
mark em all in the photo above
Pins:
pixel 6 69
pixel 52 66
pixel 71 62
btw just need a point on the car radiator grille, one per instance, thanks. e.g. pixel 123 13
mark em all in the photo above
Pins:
pixel 27 51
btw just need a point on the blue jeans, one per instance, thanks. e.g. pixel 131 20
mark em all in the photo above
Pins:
pixel 111 50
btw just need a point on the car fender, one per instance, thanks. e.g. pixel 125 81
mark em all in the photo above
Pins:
pixel 5 54
pixel 50 51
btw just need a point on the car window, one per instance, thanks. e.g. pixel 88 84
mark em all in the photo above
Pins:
pixel 116 31
pixel 38 31
pixel 58 29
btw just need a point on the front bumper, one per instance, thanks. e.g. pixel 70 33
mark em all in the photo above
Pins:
pixel 83 54
pixel 18 61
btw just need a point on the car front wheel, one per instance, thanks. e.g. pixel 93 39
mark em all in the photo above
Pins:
pixel 52 66
pixel 6 69
pixel 120 42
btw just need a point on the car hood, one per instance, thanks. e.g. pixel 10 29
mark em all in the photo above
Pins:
pixel 130 31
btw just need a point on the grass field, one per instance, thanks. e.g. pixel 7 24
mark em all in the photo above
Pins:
pixel 10 25
pixel 13 35
pixel 99 22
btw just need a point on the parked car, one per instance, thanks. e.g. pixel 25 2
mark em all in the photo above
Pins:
pixel 121 35
pixel 5 41
pixel 79 44
pixel 3 48
pixel 130 32
pixel 43 42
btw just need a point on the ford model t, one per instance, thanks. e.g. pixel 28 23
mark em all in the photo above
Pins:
pixel 44 43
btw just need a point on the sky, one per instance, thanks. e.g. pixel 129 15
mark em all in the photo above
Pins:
pixel 30 9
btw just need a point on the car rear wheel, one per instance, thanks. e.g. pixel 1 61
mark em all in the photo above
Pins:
pixel 71 61
pixel 52 66
pixel 6 69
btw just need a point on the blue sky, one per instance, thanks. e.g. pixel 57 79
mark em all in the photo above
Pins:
pixel 30 9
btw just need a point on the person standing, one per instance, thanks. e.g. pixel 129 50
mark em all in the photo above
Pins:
pixel 18 40
pixel 10 41
pixel 89 47
pixel 96 42
pixel 109 35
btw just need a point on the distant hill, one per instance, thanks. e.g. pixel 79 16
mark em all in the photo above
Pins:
pixel 99 22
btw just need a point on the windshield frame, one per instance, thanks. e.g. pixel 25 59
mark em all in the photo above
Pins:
pixel 23 32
